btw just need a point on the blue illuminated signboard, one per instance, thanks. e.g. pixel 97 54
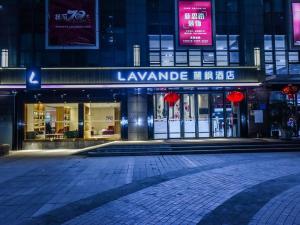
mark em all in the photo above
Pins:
pixel 33 79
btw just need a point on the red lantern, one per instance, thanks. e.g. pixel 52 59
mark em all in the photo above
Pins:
pixel 235 97
pixel 171 98
pixel 290 90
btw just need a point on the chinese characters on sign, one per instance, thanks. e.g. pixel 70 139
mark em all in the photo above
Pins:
pixel 172 76
pixel 296 23
pixel 72 24
pixel 195 23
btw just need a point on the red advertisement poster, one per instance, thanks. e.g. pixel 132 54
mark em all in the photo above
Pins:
pixel 72 24
pixel 195 23
pixel 296 23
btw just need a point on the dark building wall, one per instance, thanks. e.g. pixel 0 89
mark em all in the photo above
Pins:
pixel 252 28
pixel 136 31
pixel 9 21
pixel 7 118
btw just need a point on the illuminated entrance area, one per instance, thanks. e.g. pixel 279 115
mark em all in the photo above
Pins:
pixel 196 115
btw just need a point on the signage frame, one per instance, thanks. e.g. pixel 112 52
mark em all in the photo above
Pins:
pixel 73 47
pixel 33 78
pixel 291 25
pixel 213 28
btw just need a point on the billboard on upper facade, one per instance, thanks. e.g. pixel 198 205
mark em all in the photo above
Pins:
pixel 296 23
pixel 195 20
pixel 72 24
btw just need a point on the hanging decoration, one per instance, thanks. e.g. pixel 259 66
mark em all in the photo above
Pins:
pixel 290 90
pixel 171 98
pixel 235 97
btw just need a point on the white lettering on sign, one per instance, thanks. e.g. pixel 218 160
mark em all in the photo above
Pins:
pixel 154 76
pixel 230 75
pixel 32 79
pixel 193 75
pixel 120 78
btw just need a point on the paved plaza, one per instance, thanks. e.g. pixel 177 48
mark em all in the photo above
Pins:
pixel 56 187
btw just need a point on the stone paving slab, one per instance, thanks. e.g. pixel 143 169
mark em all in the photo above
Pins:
pixel 186 200
pixel 283 209
pixel 34 186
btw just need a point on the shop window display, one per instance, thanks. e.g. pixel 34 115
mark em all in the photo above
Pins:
pixel 189 116
pixel 203 115
pixel 51 121
pixel 174 120
pixel 232 118
pixel 160 117
pixel 218 124
pixel 102 121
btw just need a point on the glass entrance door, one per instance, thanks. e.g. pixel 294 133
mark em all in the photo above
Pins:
pixel 232 119
pixel 174 120
pixel 217 116
pixel 160 117
pixel 189 116
pixel 196 115
pixel 203 116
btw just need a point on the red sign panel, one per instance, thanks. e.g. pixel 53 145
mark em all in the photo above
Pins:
pixel 296 23
pixel 195 23
pixel 72 24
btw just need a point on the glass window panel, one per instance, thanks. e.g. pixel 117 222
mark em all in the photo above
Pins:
pixel 154 57
pixel 293 57
pixel 222 58
pixel 280 42
pixel 294 69
pixel 283 70
pixel 234 57
pixel 269 68
pixel 160 117
pixel 189 115
pixel 218 123
pixel 280 58
pixel 167 58
pixel 167 42
pixel 203 115
pixel 232 119
pixel 195 58
pixel 233 42
pixel 181 58
pixel 268 42
pixel 268 57
pixel 154 42
pixel 221 42
pixel 208 57
pixel 281 64
pixel 174 120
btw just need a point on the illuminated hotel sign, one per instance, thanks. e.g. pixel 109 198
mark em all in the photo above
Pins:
pixel 169 76
pixel 143 76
